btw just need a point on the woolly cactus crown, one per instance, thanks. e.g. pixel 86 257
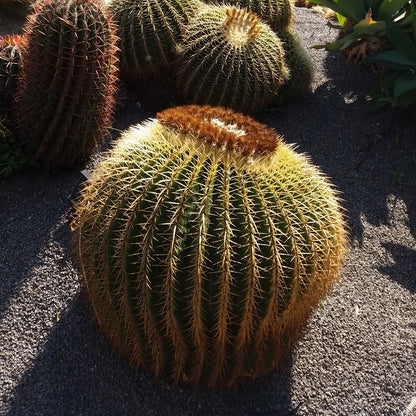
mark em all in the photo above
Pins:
pixel 276 13
pixel 204 242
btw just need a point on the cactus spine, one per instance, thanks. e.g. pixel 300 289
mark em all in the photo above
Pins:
pixel 10 52
pixel 149 32
pixel 278 14
pixel 67 81
pixel 205 241
pixel 230 58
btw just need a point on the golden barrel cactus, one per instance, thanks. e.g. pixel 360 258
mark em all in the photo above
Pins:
pixel 205 241
pixel 230 58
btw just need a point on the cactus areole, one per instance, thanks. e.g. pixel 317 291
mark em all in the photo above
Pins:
pixel 205 241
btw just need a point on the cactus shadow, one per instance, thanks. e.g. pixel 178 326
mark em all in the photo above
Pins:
pixel 369 155
pixel 46 203
pixel 78 373
pixel 402 268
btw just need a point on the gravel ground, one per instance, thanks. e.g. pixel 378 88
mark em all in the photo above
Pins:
pixel 357 356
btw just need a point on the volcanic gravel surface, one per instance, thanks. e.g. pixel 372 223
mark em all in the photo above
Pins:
pixel 357 356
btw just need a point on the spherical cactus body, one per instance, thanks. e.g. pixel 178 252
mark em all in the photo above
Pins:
pixel 10 56
pixel 231 59
pixel 149 32
pixel 278 14
pixel 67 81
pixel 205 241
pixel 300 67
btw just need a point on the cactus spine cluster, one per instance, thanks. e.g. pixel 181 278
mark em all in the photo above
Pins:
pixel 67 81
pixel 149 32
pixel 230 58
pixel 278 14
pixel 205 241
pixel 10 52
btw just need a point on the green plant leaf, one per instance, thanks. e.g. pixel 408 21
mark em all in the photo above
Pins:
pixel 404 84
pixel 390 8
pixel 353 10
pixel 341 19
pixel 369 28
pixel 400 40
pixel 393 59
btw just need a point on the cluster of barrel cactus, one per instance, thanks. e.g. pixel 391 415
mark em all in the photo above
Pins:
pixel 61 76
pixel 205 241
pixel 67 81
pixel 219 54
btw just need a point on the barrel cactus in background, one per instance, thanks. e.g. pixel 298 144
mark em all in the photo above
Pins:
pixel 278 14
pixel 299 82
pixel 67 79
pixel 10 52
pixel 149 32
pixel 205 241
pixel 230 58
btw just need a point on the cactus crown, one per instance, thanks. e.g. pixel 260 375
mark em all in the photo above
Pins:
pixel 221 127
pixel 240 26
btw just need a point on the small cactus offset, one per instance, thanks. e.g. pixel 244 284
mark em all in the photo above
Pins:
pixel 67 81
pixel 149 32
pixel 278 14
pixel 10 53
pixel 230 58
pixel 205 241
pixel 299 83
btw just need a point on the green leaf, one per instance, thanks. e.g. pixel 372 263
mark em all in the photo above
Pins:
pixel 400 40
pixel 353 10
pixel 393 59
pixel 341 19
pixel 390 8
pixel 369 29
pixel 404 84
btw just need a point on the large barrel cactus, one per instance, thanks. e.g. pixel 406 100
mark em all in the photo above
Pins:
pixel 205 241
pixel 149 32
pixel 230 58
pixel 276 13
pixel 10 52
pixel 67 80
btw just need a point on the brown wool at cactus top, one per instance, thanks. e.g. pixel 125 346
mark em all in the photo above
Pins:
pixel 222 127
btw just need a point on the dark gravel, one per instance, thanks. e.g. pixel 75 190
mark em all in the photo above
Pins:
pixel 358 354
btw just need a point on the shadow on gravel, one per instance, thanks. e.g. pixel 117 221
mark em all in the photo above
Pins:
pixel 77 373
pixel 46 199
pixel 369 155
pixel 403 269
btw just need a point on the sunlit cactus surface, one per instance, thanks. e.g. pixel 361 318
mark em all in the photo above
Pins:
pixel 205 241
pixel 67 81
pixel 230 58
pixel 150 32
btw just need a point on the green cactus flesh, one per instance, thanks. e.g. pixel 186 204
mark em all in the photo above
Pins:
pixel 300 67
pixel 278 14
pixel 149 32
pixel 10 52
pixel 205 241
pixel 67 81
pixel 230 58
